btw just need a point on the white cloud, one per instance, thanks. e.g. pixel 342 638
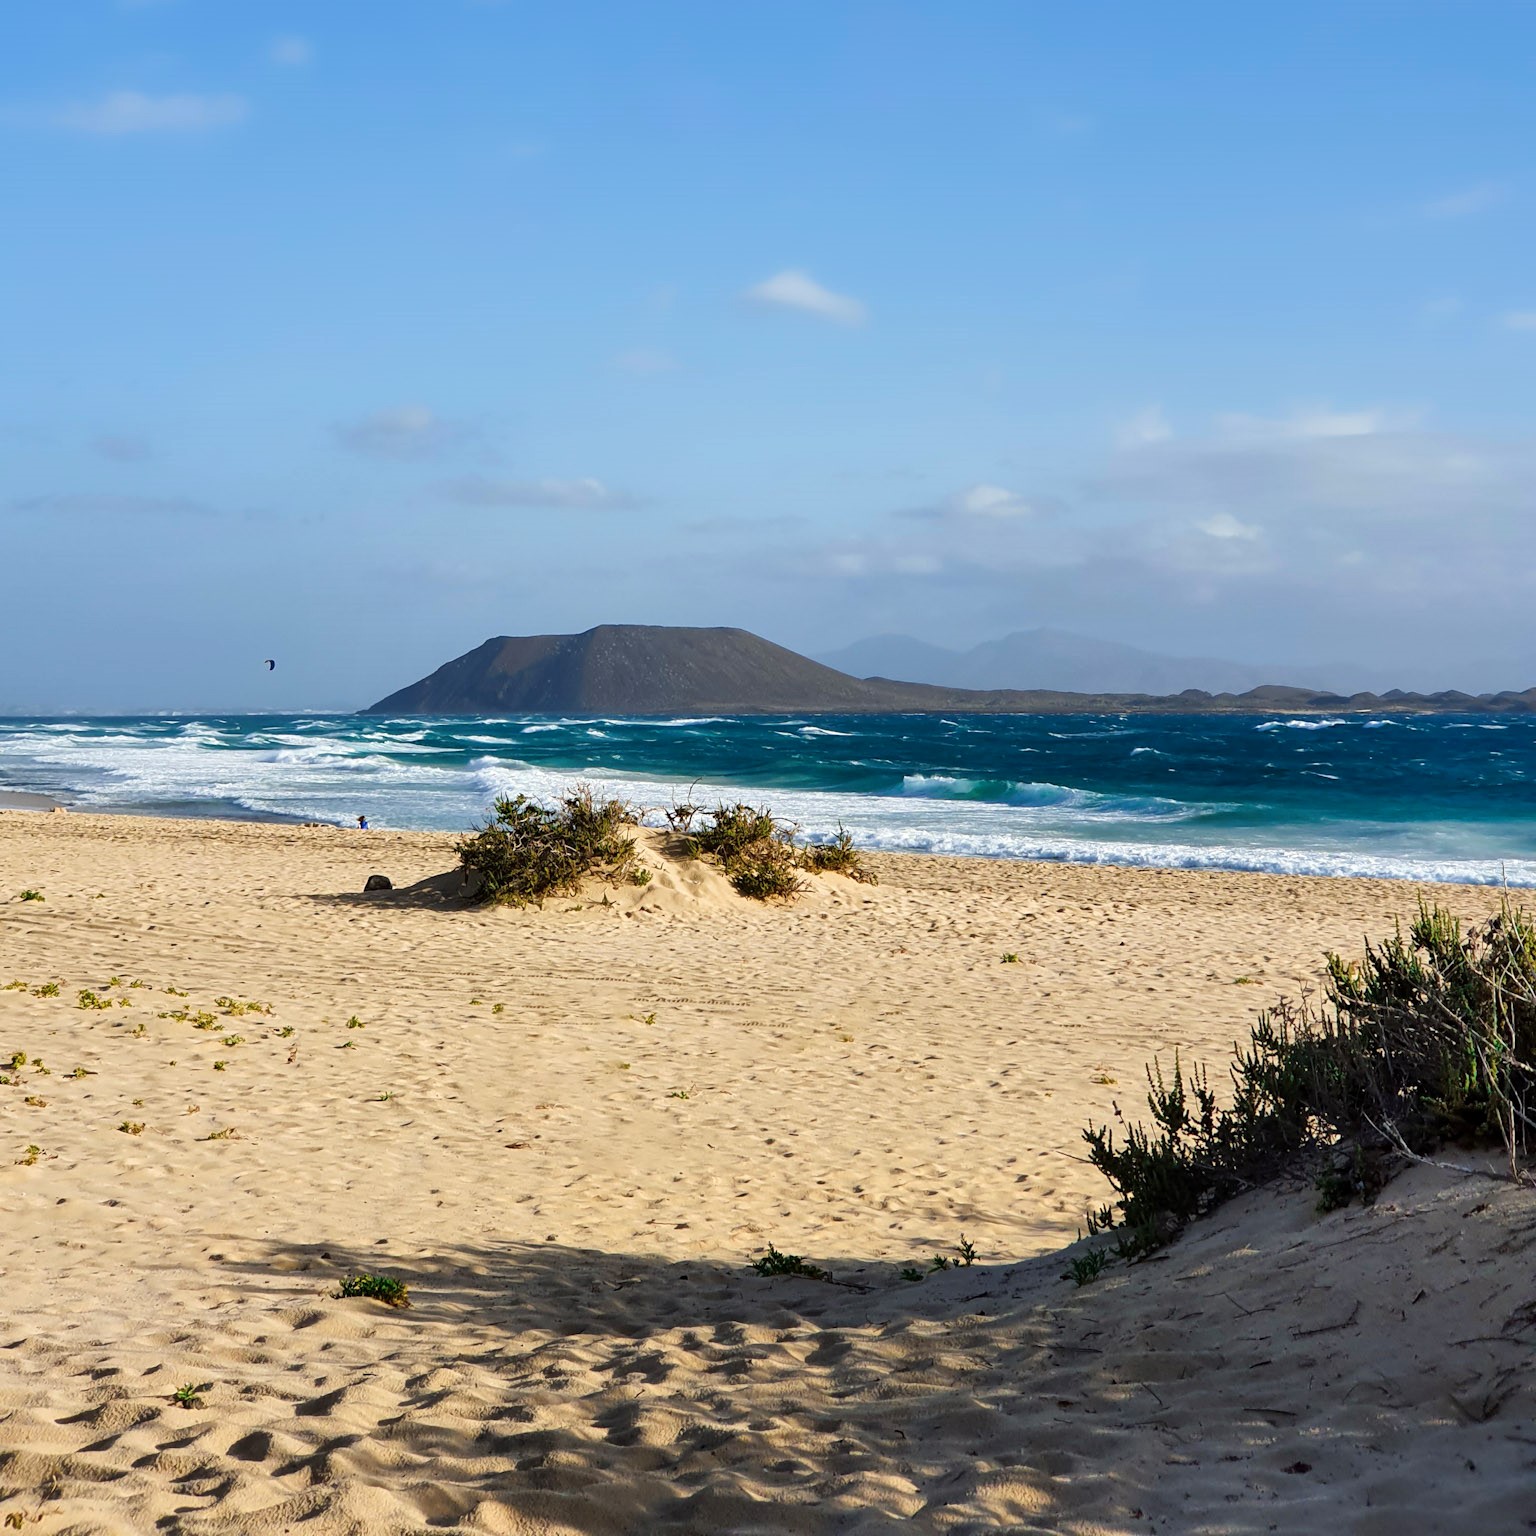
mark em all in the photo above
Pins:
pixel 1462 204
pixel 582 495
pixel 120 113
pixel 401 432
pixel 1520 320
pixel 988 501
pixel 1313 422
pixel 1224 526
pixel 291 51
pixel 1148 425
pixel 793 289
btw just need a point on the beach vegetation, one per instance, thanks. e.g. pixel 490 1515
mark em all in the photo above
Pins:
pixel 227 1134
pixel 385 1288
pixel 838 856
pixel 88 999
pixel 31 895
pixel 35 1102
pixel 220 1066
pixel 132 1127
pixel 1427 1041
pixel 913 1274
pixel 18 1061
pixel 14 986
pixel 1085 1268
pixel 356 1023
pixel 30 1156
pixel 190 1395
pixel 528 851
pixel 234 1039
pixel 48 989
pixel 775 1263
pixel 1010 958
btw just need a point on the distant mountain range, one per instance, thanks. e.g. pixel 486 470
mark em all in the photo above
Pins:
pixel 652 669
pixel 1052 659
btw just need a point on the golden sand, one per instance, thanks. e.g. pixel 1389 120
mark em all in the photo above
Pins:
pixel 569 1129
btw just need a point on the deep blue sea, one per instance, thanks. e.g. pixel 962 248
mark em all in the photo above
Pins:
pixel 1423 797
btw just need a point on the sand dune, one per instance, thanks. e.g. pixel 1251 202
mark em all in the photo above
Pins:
pixel 569 1130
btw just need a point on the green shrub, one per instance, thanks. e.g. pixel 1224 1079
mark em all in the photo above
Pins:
pixel 385 1288
pixel 1430 1039
pixel 775 1263
pixel 528 851
pixel 758 853
pixel 839 857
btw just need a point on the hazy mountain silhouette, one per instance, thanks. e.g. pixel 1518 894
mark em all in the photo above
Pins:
pixel 654 669
pixel 1054 659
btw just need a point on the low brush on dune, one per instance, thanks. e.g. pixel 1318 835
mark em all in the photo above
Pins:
pixel 759 854
pixel 528 851
pixel 1428 1041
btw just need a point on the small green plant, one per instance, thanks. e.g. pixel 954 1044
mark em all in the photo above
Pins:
pixel 35 1102
pixel 775 1263
pixel 498 1007
pixel 385 1288
pixel 114 981
pixel 220 1066
pixel 137 985
pixel 174 992
pixel 202 1019
pixel 234 1039
pixel 14 986
pixel 191 1395
pixel 647 1018
pixel 31 895
pixel 385 1097
pixel 913 1274
pixel 89 999
pixel 1087 1267
pixel 355 1023
pixel 1010 958
pixel 678 1093
pixel 755 850
pixel 227 1134
pixel 1244 981
pixel 285 1032
pixel 80 1072
pixel 838 857
pixel 132 1127
pixel 966 1251
pixel 18 1061
pixel 640 875
pixel 30 1156
pixel 48 989
pixel 39 1068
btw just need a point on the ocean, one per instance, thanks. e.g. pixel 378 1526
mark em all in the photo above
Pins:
pixel 1415 797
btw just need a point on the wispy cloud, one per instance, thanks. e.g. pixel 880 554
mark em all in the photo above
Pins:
pixel 979 503
pixel 1148 425
pixel 1224 526
pixel 122 450
pixel 121 113
pixel 1520 320
pixel 92 505
pixel 1462 204
pixel 401 432
pixel 793 289
pixel 291 51
pixel 583 495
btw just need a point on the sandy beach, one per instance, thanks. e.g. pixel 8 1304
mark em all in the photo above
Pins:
pixel 569 1130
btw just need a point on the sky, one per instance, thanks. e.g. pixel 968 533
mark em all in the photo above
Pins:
pixel 352 332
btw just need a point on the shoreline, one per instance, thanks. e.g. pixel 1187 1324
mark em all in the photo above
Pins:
pixel 31 801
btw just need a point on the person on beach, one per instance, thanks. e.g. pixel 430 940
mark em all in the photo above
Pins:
pixel 362 823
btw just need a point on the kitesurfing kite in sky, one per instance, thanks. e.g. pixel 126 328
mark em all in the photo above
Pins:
pixel 270 665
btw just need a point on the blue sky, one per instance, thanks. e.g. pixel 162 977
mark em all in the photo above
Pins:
pixel 352 333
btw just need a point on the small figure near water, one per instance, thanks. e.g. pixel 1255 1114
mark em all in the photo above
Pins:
pixel 362 823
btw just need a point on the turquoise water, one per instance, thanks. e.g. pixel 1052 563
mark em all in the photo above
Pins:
pixel 1424 797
